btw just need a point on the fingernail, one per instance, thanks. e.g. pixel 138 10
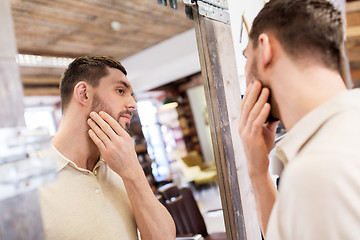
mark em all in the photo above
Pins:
pixel 92 114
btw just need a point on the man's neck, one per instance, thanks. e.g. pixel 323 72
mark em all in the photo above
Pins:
pixel 72 141
pixel 299 91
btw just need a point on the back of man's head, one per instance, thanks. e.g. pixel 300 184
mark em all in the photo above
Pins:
pixel 89 69
pixel 304 28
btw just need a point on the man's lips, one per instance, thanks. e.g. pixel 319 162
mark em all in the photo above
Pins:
pixel 127 117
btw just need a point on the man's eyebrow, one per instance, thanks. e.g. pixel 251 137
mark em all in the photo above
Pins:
pixel 120 82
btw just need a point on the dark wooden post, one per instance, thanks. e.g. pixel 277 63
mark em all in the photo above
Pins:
pixel 222 91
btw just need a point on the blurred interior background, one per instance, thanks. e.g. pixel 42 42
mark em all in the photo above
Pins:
pixel 157 46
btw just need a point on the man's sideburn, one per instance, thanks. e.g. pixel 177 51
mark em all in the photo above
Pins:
pixel 98 105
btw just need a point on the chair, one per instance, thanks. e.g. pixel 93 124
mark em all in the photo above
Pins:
pixel 195 170
pixel 183 208
pixel 193 158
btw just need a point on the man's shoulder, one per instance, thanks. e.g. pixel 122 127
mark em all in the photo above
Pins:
pixel 340 133
pixel 321 169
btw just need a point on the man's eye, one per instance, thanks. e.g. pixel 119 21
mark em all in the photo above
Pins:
pixel 120 91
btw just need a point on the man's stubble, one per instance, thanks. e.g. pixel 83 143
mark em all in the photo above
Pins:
pixel 99 105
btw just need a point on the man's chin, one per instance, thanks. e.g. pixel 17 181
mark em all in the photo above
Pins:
pixel 125 126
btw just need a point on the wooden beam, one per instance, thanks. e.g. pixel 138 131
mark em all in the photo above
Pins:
pixel 353 6
pixel 355 65
pixel 27 71
pixel 353 50
pixel 40 80
pixel 222 92
pixel 46 91
pixel 355 75
pixel 354 55
pixel 353 32
pixel 352 19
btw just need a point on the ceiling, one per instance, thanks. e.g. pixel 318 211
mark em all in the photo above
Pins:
pixel 83 27
pixel 68 28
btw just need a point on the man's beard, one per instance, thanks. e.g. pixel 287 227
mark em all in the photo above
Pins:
pixel 255 76
pixel 98 105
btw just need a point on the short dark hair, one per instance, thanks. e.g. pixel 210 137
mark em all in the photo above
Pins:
pixel 87 68
pixel 303 27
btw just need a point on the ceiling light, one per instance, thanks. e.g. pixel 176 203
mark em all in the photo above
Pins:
pixel 41 61
pixel 168 103
pixel 115 25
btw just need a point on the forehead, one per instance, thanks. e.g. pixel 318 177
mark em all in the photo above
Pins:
pixel 249 48
pixel 114 78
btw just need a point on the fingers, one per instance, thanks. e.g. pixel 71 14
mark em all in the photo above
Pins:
pixel 243 113
pixel 97 140
pixel 249 100
pixel 100 134
pixel 100 127
pixel 255 113
pixel 258 122
pixel 246 93
pixel 252 104
pixel 112 123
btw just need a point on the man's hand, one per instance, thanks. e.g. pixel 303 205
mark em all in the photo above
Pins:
pixel 117 149
pixel 114 143
pixel 257 138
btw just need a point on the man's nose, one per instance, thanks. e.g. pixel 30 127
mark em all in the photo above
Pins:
pixel 131 105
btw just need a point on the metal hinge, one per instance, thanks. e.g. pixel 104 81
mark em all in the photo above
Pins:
pixel 214 9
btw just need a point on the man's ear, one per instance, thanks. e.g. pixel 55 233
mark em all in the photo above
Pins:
pixel 81 93
pixel 266 51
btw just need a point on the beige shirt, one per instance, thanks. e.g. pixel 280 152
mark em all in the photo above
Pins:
pixel 86 205
pixel 319 195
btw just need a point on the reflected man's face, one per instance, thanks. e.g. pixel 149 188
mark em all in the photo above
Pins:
pixel 115 96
